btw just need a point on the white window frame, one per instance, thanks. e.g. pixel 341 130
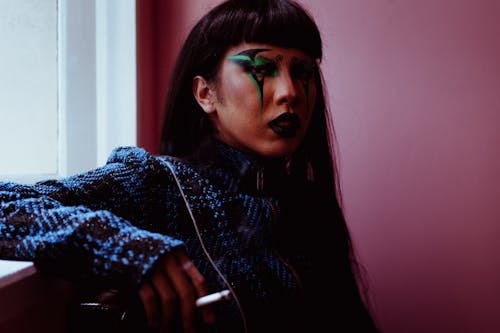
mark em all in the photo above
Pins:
pixel 97 101
pixel 98 73
pixel 96 84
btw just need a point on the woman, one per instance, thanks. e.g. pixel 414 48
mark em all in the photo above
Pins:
pixel 243 198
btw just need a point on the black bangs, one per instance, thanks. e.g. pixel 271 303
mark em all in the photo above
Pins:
pixel 282 23
pixel 277 22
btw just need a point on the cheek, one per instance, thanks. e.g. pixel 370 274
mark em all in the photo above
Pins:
pixel 242 91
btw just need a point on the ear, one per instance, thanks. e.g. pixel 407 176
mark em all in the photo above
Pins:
pixel 204 94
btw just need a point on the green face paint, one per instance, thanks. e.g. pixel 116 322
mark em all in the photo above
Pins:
pixel 257 68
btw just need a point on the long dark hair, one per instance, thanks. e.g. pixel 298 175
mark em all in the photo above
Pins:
pixel 282 23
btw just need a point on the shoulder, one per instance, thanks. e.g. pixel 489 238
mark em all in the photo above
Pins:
pixel 130 155
pixel 139 158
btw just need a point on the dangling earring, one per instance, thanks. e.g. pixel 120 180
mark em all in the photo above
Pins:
pixel 260 179
pixel 288 166
pixel 309 171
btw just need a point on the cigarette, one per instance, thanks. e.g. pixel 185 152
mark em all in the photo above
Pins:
pixel 213 298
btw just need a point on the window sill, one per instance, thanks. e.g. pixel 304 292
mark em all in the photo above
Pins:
pixel 13 271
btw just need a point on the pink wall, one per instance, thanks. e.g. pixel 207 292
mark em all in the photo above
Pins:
pixel 415 90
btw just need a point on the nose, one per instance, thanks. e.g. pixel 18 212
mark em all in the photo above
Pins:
pixel 286 90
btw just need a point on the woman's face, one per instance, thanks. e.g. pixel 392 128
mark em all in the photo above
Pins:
pixel 264 98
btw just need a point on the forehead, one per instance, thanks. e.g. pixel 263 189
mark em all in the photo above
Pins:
pixel 270 51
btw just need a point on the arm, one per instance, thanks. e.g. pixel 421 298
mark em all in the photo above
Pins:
pixel 87 225
pixel 101 225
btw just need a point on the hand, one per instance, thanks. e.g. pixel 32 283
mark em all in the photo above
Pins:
pixel 172 290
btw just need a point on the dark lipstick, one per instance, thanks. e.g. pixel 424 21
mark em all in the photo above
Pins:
pixel 285 125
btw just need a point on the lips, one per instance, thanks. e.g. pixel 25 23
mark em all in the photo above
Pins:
pixel 285 125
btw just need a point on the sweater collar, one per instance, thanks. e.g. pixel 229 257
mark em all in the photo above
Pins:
pixel 251 173
pixel 262 175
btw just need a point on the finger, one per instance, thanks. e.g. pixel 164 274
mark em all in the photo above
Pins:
pixel 198 281
pixel 185 291
pixel 149 300
pixel 168 301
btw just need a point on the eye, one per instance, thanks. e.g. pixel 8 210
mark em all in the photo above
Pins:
pixel 267 69
pixel 302 70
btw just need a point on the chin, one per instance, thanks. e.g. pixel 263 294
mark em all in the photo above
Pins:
pixel 280 149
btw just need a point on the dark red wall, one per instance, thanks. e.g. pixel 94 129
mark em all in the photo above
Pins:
pixel 156 22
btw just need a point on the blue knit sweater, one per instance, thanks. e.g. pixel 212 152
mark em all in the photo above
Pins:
pixel 112 224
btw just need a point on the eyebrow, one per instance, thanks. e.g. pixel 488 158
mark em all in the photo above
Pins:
pixel 250 53
pixel 255 61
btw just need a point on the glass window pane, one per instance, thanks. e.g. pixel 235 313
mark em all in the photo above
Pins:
pixel 28 87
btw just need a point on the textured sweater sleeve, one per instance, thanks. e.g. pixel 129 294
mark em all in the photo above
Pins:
pixel 97 225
